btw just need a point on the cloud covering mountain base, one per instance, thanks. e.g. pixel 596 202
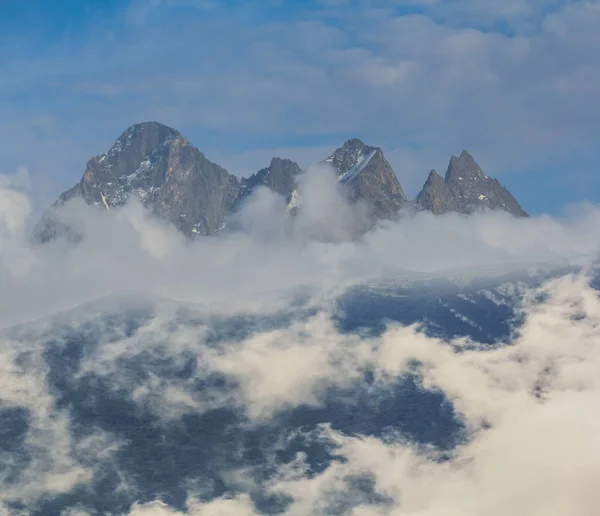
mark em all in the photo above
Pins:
pixel 229 375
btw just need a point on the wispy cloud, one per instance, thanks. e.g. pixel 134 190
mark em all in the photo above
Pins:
pixel 232 346
pixel 249 353
pixel 521 95
pixel 512 464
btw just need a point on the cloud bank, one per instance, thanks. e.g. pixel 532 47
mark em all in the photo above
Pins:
pixel 127 250
pixel 538 452
pixel 210 334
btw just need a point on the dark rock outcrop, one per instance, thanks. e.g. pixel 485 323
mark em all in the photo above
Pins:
pixel 369 177
pixel 280 176
pixel 465 189
pixel 155 164
pixel 168 175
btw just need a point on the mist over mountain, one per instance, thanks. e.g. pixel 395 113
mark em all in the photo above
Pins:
pixel 260 299
pixel 156 165
pixel 333 346
pixel 465 189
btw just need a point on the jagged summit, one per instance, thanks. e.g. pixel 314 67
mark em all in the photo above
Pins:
pixel 464 167
pixel 369 176
pixel 354 142
pixel 136 143
pixel 349 157
pixel 434 178
pixel 279 176
pixel 465 189
pixel 154 163
pixel 147 131
pixel 132 165
pixel 157 165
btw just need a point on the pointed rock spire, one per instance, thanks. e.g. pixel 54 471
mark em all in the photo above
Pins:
pixel 157 165
pixel 465 189
pixel 463 168
pixel 279 176
pixel 348 156
pixel 369 177
pixel 434 178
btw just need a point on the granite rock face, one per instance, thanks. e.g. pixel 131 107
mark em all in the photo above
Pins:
pixel 369 177
pixel 173 179
pixel 280 177
pixel 465 189
pixel 158 166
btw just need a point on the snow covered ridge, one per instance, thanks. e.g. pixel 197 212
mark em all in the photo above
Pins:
pixel 362 161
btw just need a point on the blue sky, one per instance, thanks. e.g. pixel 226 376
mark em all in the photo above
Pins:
pixel 516 82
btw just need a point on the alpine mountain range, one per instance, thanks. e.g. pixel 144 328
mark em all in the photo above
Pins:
pixel 197 385
pixel 174 179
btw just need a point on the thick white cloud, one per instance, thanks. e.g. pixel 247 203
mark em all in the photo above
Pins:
pixel 58 463
pixel 15 207
pixel 241 506
pixel 19 180
pixel 421 86
pixel 127 251
pixel 538 454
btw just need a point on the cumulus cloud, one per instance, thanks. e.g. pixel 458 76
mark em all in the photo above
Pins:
pixel 538 452
pixel 540 455
pixel 240 505
pixel 128 250
pixel 326 213
pixel 458 74
pixel 15 208
pixel 18 180
pixel 169 361
pixel 49 461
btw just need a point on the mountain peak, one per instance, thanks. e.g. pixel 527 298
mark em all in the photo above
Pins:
pixel 434 178
pixel 150 125
pixel 279 176
pixel 277 162
pixel 352 154
pixel 463 168
pixel 154 163
pixel 354 143
pixel 465 189
pixel 147 130
pixel 368 176
pixel 136 145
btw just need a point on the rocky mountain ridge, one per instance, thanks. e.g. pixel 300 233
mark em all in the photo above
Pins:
pixel 465 189
pixel 369 177
pixel 172 178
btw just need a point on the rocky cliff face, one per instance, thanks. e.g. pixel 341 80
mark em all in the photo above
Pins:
pixel 155 164
pixel 280 176
pixel 158 166
pixel 465 189
pixel 369 177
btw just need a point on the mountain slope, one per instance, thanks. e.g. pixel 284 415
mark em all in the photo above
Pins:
pixel 158 166
pixel 280 177
pixel 155 164
pixel 465 189
pixel 369 177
